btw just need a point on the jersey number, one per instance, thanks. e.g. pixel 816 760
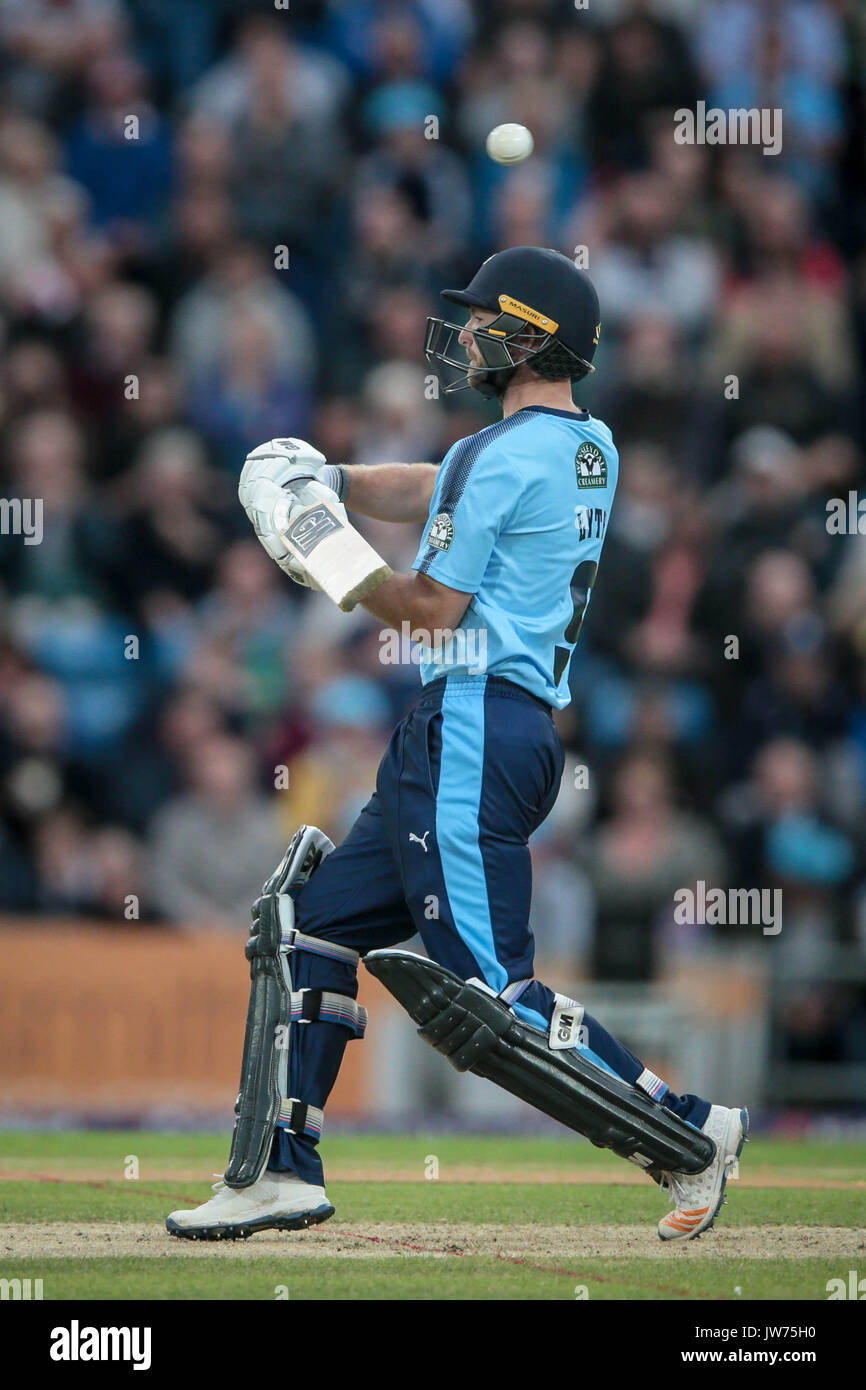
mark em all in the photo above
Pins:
pixel 581 586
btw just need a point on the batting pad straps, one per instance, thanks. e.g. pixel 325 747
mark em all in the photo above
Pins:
pixel 293 940
pixel 318 1005
pixel 511 993
pixel 652 1084
pixel 296 1117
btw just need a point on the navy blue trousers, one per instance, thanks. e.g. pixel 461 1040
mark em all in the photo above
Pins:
pixel 441 849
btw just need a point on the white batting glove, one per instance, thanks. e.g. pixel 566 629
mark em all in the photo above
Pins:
pixel 270 508
pixel 288 463
pixel 278 476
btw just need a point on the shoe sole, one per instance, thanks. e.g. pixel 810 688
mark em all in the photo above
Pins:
pixel 696 1235
pixel 242 1229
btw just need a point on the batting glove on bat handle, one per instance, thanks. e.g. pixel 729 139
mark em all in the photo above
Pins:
pixel 269 508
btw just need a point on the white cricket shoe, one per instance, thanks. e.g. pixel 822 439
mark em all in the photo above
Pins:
pixel 698 1199
pixel 277 1201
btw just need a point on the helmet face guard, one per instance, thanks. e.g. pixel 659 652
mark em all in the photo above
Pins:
pixel 497 344
pixel 503 345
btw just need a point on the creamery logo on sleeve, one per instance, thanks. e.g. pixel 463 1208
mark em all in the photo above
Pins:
pixel 591 466
pixel 441 531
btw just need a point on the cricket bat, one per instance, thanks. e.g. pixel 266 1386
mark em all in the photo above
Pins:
pixel 334 554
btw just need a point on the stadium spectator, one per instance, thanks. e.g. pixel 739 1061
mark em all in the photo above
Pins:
pixel 208 845
pixel 637 860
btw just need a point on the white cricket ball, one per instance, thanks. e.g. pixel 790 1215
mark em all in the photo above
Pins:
pixel 509 144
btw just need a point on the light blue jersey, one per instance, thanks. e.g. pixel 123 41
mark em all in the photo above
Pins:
pixel 517 519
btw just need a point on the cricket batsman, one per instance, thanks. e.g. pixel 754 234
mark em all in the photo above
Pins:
pixel 514 522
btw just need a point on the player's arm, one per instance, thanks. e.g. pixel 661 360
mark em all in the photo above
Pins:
pixel 386 491
pixel 455 548
pixel 418 600
pixel 389 491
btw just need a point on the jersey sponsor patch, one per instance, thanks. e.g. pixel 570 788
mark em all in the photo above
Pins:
pixel 591 466
pixel 441 532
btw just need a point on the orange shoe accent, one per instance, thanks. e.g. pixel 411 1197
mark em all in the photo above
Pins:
pixel 701 1212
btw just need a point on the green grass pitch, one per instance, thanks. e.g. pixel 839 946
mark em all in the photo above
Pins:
pixel 426 1217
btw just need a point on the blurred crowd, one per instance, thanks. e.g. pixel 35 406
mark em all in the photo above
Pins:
pixel 223 222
